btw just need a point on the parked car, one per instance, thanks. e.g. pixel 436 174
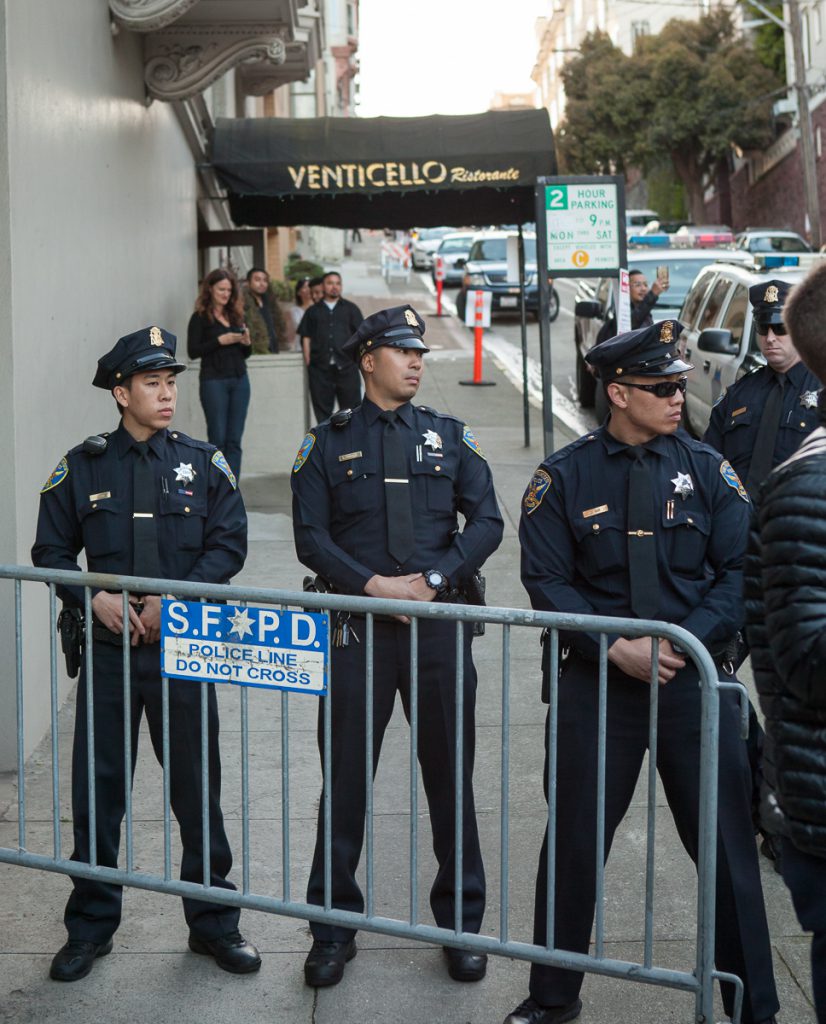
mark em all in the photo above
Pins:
pixel 594 300
pixel 454 250
pixel 771 240
pixel 635 219
pixel 425 243
pixel 719 337
pixel 487 268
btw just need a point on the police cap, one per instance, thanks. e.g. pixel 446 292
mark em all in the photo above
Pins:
pixel 151 348
pixel 767 300
pixel 647 352
pixel 398 327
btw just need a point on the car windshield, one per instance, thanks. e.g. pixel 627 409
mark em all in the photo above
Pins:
pixel 429 234
pixel 455 244
pixel 777 243
pixel 681 274
pixel 494 250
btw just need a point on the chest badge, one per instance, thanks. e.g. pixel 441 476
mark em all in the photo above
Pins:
pixel 809 399
pixel 432 440
pixel 184 473
pixel 683 485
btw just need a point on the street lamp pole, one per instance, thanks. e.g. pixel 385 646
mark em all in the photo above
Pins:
pixel 804 114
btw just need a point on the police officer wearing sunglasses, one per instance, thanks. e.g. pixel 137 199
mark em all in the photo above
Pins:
pixel 762 419
pixel 640 520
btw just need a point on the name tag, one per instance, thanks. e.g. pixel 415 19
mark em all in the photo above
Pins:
pixel 594 511
pixel 737 412
pixel 349 456
pixel 101 496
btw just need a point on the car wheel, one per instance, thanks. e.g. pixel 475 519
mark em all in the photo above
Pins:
pixel 586 384
pixel 554 305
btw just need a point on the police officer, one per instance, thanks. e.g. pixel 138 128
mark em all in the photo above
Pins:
pixel 639 520
pixel 756 424
pixel 761 419
pixel 376 491
pixel 143 501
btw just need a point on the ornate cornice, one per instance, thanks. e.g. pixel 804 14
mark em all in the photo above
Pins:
pixel 148 15
pixel 182 62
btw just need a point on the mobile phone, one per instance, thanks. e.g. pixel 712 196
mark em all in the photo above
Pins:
pixel 662 276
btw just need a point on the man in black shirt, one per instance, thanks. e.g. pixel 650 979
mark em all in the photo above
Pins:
pixel 325 328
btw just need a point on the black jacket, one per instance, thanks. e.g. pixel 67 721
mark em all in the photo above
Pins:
pixel 785 591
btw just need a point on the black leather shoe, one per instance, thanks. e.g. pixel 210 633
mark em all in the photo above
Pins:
pixel 231 952
pixel 465 966
pixel 76 959
pixel 325 962
pixel 530 1012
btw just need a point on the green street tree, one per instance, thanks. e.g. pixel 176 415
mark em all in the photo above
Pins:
pixel 690 94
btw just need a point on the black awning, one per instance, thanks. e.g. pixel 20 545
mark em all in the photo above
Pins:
pixel 384 171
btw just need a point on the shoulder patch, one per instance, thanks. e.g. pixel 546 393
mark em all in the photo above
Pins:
pixel 471 442
pixel 537 488
pixel 57 476
pixel 732 479
pixel 220 462
pixel 304 450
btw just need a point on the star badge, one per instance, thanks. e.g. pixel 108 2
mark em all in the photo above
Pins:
pixel 809 399
pixel 432 440
pixel 241 623
pixel 184 473
pixel 683 485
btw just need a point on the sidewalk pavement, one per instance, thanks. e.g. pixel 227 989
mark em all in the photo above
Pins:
pixel 151 975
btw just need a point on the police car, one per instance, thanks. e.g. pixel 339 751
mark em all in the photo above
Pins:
pixel 719 337
pixel 595 297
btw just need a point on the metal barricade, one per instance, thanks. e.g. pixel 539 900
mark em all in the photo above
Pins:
pixel 699 981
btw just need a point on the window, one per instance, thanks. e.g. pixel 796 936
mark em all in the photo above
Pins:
pixel 817 27
pixel 638 30
pixel 714 304
pixel 735 316
pixel 695 298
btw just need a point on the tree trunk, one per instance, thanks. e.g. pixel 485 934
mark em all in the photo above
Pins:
pixel 690 174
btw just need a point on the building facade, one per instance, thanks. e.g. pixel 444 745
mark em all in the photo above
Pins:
pixel 108 215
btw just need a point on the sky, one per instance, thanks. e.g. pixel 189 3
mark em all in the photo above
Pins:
pixel 443 56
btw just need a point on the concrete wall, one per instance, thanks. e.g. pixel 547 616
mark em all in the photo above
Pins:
pixel 278 415
pixel 97 238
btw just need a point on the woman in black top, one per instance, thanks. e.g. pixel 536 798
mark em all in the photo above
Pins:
pixel 218 337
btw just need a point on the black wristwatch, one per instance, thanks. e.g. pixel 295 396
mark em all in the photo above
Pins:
pixel 437 581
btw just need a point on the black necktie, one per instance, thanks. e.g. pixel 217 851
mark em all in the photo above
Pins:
pixel 762 458
pixel 642 544
pixel 145 558
pixel 400 538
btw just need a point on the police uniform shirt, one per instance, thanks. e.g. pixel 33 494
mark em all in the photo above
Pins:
pixel 573 534
pixel 339 505
pixel 735 418
pixel 87 504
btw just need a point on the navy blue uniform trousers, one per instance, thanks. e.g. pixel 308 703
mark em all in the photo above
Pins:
pixel 742 932
pixel 436 732
pixel 94 908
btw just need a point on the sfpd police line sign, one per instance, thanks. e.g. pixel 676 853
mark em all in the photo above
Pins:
pixel 245 646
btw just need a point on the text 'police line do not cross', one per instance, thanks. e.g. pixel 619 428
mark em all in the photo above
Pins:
pixel 245 646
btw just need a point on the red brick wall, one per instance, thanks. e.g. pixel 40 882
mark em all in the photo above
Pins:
pixel 777 199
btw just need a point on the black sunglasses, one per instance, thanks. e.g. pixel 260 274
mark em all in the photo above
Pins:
pixel 763 329
pixel 665 388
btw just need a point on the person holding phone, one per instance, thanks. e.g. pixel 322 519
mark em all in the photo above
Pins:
pixel 644 299
pixel 218 336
